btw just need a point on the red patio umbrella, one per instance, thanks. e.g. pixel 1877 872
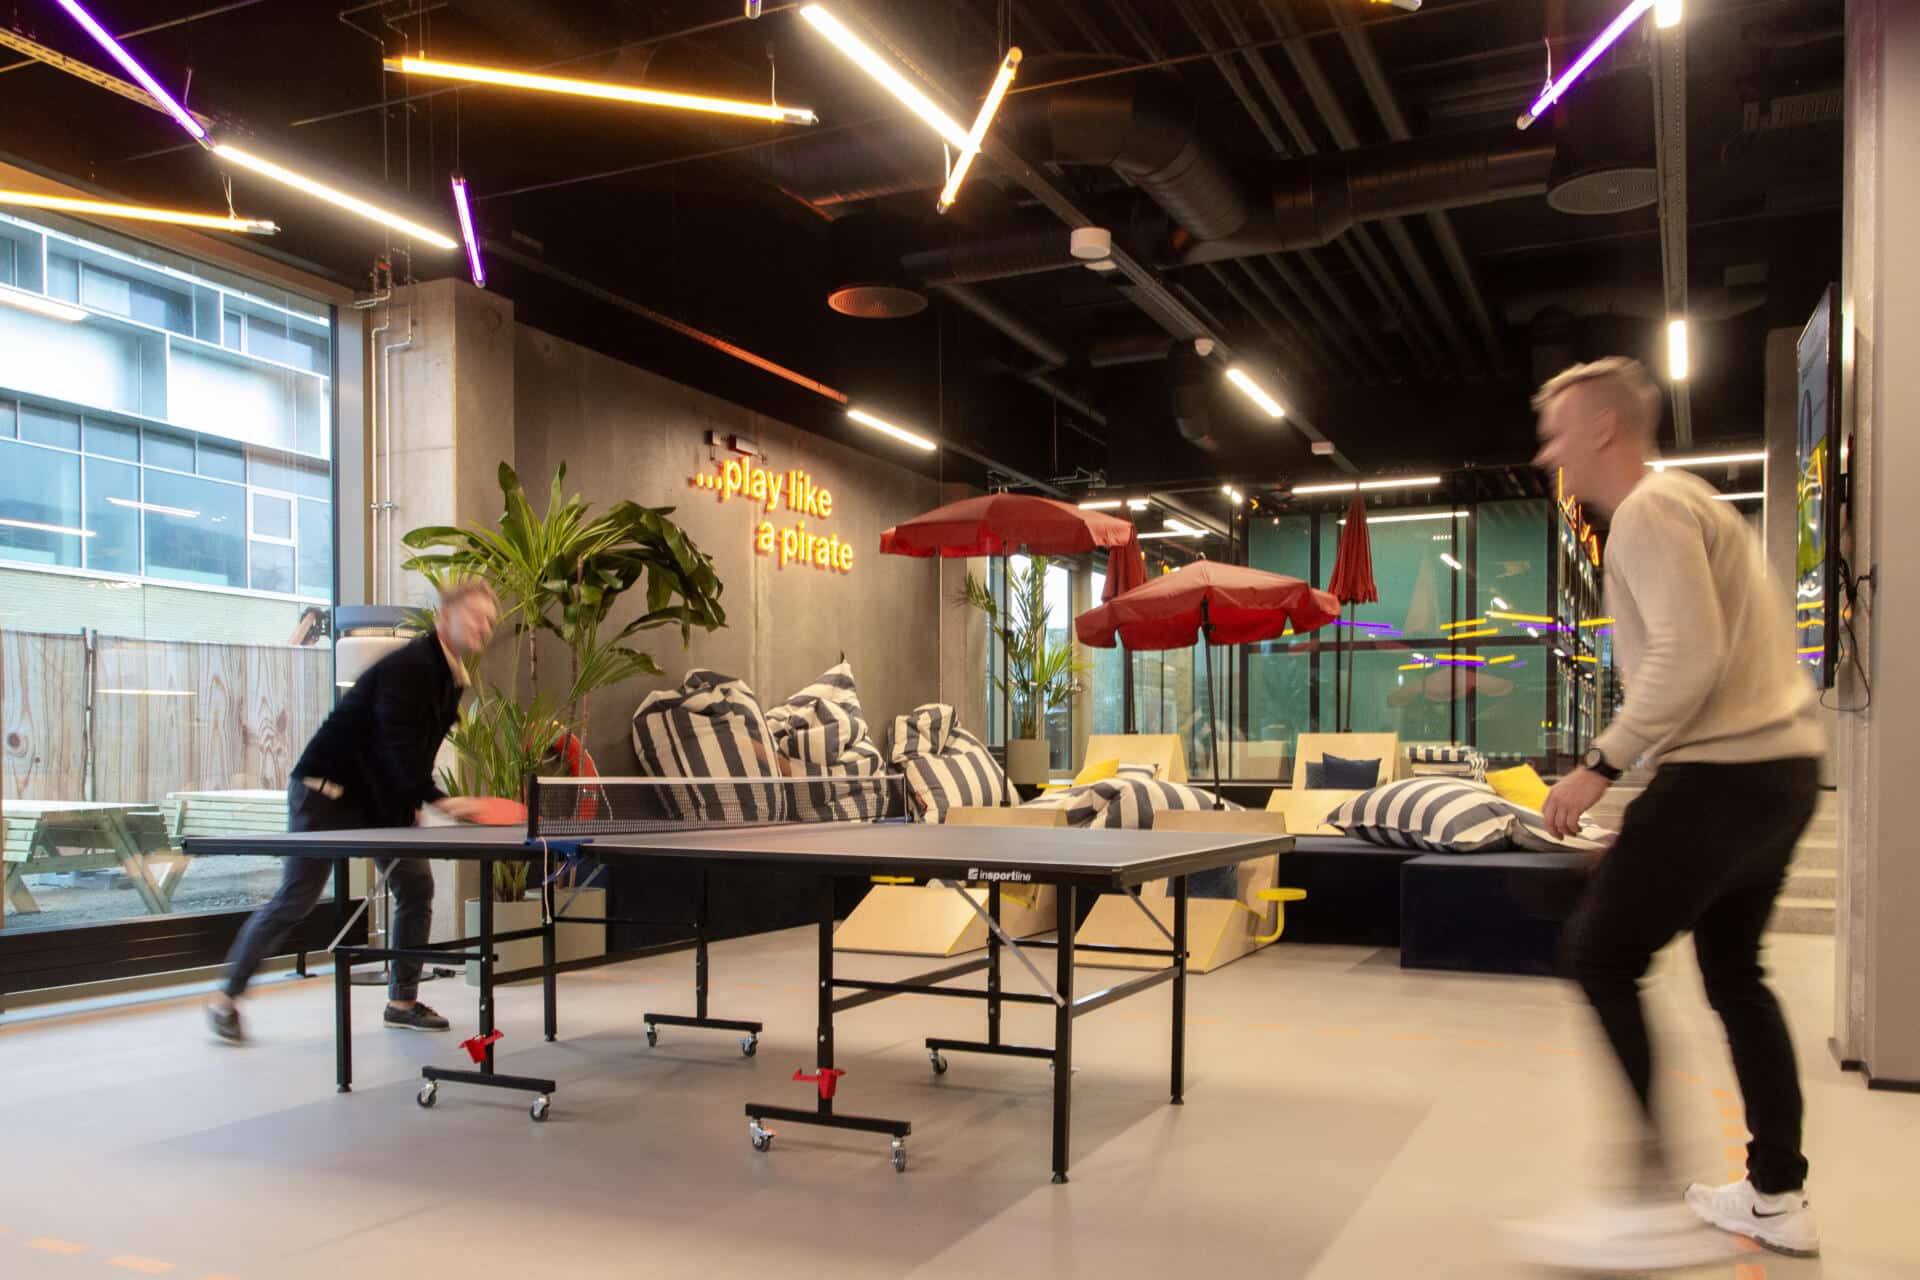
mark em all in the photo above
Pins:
pixel 997 524
pixel 1228 603
pixel 1352 581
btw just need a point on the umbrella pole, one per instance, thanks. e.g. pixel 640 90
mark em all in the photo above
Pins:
pixel 1346 720
pixel 1126 690
pixel 1213 719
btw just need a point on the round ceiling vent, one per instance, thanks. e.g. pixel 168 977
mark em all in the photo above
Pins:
pixel 1608 190
pixel 877 301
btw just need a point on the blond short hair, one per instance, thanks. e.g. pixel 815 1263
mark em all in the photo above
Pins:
pixel 466 589
pixel 1623 384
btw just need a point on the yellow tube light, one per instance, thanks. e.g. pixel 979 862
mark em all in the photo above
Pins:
pixel 1596 622
pixel 1509 657
pixel 506 79
pixel 863 56
pixel 886 428
pixel 136 212
pixel 1522 617
pixel 1470 635
pixel 338 199
pixel 1471 622
pixel 1004 78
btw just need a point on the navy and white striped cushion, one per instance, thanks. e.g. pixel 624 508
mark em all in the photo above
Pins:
pixel 1124 802
pixel 1439 815
pixel 710 727
pixel 1447 761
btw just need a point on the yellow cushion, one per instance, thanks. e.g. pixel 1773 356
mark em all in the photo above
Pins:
pixel 1096 771
pixel 1521 785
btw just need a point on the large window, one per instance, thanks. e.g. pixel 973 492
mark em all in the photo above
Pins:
pixel 166 518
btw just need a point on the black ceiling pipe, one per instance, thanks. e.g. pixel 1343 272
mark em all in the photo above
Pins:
pixel 1315 200
pixel 972 261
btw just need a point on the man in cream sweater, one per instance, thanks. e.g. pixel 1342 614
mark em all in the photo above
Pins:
pixel 1716 704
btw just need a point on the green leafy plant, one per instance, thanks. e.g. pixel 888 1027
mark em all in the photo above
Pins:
pixel 560 573
pixel 1037 673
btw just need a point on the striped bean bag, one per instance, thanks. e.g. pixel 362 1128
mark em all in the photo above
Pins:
pixel 944 764
pixel 822 732
pixel 710 727
pixel 1128 801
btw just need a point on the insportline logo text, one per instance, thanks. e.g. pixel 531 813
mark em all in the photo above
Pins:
pixel 1003 877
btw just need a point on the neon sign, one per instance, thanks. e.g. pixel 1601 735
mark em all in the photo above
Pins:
pixel 1576 519
pixel 793 490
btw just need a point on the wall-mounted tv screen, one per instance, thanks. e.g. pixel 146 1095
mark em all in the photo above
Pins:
pixel 1818 490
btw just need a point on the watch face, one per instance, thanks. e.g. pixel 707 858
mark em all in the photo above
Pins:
pixel 1593 759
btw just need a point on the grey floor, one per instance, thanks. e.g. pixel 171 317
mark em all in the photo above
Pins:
pixel 1345 1121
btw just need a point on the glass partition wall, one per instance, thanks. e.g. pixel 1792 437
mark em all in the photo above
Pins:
pixel 1487 633
pixel 167 534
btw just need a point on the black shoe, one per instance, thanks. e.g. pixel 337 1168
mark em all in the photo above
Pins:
pixel 225 1025
pixel 418 1018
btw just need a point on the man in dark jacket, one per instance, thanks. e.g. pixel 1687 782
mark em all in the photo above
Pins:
pixel 371 765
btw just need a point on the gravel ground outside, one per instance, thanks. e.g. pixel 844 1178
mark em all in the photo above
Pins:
pixel 97 897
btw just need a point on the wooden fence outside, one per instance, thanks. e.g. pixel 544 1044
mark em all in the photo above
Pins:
pixel 115 718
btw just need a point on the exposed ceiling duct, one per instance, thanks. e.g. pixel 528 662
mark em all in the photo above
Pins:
pixel 1145 133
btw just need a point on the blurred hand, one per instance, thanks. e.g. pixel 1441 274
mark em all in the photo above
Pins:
pixel 459 808
pixel 1571 797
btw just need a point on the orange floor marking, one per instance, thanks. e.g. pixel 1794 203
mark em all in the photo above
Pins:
pixel 1749 1271
pixel 1723 1095
pixel 1737 1154
pixel 1687 1076
pixel 47 1244
pixel 145 1266
pixel 1733 1111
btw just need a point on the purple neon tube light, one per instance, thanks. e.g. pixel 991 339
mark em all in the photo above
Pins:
pixel 134 69
pixel 1604 41
pixel 466 231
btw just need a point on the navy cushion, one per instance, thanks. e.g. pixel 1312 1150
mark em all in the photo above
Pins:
pixel 1333 773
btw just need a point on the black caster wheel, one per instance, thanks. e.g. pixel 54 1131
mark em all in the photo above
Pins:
pixel 428 1095
pixel 749 1046
pixel 939 1063
pixel 541 1108
pixel 653 1037
pixel 899 1158
pixel 762 1139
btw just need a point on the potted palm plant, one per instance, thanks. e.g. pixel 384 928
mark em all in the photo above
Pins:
pixel 558 574
pixel 1038 672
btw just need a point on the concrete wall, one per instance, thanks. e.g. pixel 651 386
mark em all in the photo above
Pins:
pixel 625 433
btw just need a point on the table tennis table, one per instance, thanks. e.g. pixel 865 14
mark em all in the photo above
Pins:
pixel 1074 861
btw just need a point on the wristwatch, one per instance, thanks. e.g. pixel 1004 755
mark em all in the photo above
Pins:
pixel 1598 763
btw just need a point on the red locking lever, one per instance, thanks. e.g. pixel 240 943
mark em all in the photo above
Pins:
pixel 828 1079
pixel 477 1047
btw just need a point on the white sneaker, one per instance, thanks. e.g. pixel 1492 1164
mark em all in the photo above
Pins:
pixel 1783 1223
pixel 1620 1235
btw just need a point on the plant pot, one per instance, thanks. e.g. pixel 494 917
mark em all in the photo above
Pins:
pixel 1028 761
pixel 570 941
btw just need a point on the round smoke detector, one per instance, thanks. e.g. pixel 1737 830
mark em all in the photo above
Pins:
pixel 877 301
pixel 1602 191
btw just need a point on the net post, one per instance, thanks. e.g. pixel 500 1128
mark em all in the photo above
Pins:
pixel 533 806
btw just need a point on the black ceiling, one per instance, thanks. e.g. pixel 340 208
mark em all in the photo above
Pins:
pixel 1379 346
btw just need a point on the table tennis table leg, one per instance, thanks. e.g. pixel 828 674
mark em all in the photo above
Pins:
pixel 549 997
pixel 993 965
pixel 702 986
pixel 342 988
pixel 1063 1036
pixel 1179 990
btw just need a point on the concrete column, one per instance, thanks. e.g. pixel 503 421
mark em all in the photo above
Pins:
pixel 441 421
pixel 1877 1005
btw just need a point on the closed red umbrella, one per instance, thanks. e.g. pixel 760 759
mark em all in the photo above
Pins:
pixel 1352 581
pixel 1227 603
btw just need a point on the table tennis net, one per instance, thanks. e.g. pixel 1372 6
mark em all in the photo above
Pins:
pixel 589 806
